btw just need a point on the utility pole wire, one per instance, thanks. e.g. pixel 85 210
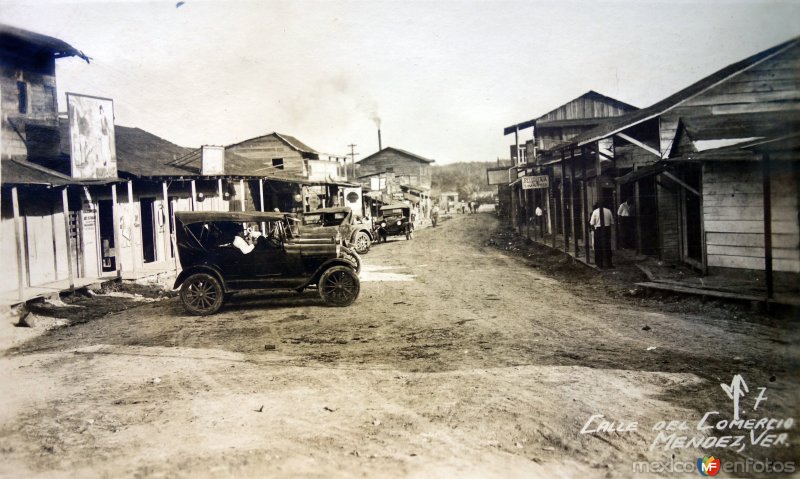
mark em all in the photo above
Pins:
pixel 353 159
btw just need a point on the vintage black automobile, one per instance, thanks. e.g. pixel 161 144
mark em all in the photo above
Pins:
pixel 356 234
pixel 218 260
pixel 395 220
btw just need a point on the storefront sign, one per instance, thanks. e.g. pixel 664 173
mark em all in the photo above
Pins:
pixel 535 182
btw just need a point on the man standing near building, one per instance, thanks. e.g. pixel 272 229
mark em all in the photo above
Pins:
pixel 625 216
pixel 601 225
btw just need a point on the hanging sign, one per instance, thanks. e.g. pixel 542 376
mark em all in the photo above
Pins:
pixel 535 182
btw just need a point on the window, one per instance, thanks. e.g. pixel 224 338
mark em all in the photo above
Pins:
pixel 277 163
pixel 50 93
pixel 22 94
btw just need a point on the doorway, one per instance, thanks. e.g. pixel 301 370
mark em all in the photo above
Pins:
pixel 148 230
pixel 693 219
pixel 107 246
pixel 648 216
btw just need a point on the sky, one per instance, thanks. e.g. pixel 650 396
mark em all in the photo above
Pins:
pixel 441 78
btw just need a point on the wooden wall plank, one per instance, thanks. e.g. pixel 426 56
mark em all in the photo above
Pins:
pixel 779 240
pixel 747 226
pixel 740 262
pixel 753 252
pixel 781 213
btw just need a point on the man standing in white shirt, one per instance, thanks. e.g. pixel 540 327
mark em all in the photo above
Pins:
pixel 625 216
pixel 601 225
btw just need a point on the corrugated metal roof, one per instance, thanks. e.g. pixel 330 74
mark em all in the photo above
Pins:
pixel 13 38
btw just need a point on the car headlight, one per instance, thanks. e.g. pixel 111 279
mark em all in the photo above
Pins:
pixel 399 223
pixel 383 225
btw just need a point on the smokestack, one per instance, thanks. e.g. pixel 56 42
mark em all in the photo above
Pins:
pixel 380 147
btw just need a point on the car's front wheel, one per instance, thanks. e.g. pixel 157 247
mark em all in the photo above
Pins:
pixel 201 294
pixel 339 286
pixel 361 242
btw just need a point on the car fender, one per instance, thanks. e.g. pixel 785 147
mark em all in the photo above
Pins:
pixel 201 268
pixel 331 262
pixel 359 230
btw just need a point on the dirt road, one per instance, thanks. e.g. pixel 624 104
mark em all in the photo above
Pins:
pixel 456 361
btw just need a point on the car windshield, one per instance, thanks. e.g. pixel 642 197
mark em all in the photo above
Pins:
pixel 324 219
pixel 220 234
pixel 394 212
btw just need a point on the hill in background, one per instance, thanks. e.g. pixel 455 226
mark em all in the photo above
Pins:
pixel 467 178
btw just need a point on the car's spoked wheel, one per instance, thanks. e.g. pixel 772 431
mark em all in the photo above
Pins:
pixel 201 294
pixel 339 286
pixel 362 243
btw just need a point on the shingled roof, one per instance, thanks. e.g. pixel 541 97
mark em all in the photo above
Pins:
pixel 139 153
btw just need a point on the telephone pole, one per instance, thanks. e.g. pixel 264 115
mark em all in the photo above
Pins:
pixel 353 159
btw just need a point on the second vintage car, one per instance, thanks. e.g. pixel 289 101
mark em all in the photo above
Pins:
pixel 395 220
pixel 225 252
pixel 356 233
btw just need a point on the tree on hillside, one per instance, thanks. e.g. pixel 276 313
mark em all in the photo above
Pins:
pixel 467 178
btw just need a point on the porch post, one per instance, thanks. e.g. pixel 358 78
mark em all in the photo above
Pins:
pixel 115 214
pixel 261 193
pixel 220 193
pixel 194 196
pixel 572 202
pixel 21 271
pixel 563 206
pixel 133 227
pixel 534 204
pixel 241 199
pixel 638 211
pixel 586 211
pixel 765 174
pixel 551 203
pixel 65 206
pixel 165 215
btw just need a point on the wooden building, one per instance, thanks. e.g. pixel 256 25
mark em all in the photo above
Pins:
pixel 411 172
pixel 537 157
pixel 712 169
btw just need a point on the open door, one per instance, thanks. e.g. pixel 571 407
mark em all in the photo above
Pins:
pixel 107 246
pixel 692 214
pixel 148 230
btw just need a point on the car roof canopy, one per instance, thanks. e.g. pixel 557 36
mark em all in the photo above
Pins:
pixel 394 206
pixel 332 209
pixel 189 217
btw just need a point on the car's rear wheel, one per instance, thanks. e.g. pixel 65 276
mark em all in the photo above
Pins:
pixel 339 286
pixel 361 242
pixel 201 294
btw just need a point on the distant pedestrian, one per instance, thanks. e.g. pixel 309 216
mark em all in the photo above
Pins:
pixel 601 225
pixel 625 216
pixel 538 212
pixel 435 215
